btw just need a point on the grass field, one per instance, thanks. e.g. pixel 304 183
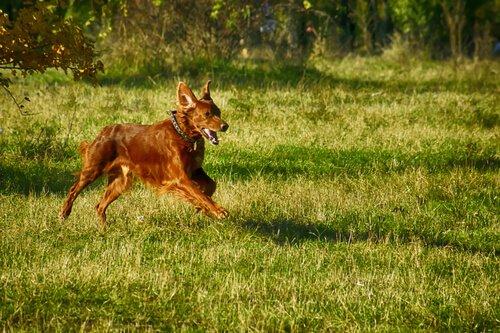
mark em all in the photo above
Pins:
pixel 364 195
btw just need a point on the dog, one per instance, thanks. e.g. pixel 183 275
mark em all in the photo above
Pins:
pixel 167 156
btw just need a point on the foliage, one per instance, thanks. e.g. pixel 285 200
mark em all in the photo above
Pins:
pixel 159 34
pixel 38 40
pixel 413 18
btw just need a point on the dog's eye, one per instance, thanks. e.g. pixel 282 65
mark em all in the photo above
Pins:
pixel 207 113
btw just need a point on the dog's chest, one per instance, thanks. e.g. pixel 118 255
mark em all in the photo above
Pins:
pixel 195 156
pixel 199 155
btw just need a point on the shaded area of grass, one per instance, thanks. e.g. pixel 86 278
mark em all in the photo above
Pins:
pixel 53 176
pixel 265 74
pixel 35 177
pixel 378 228
pixel 291 161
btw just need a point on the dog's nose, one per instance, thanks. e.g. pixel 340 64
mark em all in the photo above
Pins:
pixel 224 127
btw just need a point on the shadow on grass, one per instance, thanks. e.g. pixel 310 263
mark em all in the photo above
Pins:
pixel 291 232
pixel 312 162
pixel 35 178
pixel 286 231
pixel 260 74
pixel 283 162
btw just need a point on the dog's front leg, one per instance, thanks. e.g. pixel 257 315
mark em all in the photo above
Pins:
pixel 206 184
pixel 186 188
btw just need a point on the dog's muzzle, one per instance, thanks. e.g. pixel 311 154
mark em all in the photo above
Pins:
pixel 211 136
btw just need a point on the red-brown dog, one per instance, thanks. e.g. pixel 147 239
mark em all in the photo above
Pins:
pixel 167 155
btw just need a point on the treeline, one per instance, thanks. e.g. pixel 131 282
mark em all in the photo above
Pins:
pixel 165 30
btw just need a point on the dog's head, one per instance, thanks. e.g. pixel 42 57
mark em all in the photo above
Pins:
pixel 202 114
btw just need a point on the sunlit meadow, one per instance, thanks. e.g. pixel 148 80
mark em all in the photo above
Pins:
pixel 364 195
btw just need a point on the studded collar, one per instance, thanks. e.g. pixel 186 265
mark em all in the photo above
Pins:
pixel 178 128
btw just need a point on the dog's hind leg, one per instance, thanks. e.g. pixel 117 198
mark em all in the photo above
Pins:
pixel 87 176
pixel 118 182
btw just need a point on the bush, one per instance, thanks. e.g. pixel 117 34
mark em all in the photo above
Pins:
pixel 401 51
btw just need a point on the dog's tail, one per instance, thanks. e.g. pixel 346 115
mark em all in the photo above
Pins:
pixel 82 149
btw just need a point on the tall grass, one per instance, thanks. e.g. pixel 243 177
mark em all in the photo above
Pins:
pixel 363 196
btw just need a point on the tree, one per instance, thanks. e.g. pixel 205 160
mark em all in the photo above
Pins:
pixel 454 15
pixel 363 16
pixel 38 40
pixel 485 20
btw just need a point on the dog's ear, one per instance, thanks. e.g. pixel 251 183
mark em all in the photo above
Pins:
pixel 206 91
pixel 185 96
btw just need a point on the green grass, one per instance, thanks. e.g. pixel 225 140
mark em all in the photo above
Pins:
pixel 364 196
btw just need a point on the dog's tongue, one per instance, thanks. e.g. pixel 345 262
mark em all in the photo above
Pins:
pixel 212 136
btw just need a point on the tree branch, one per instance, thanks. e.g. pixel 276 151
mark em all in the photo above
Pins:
pixel 19 106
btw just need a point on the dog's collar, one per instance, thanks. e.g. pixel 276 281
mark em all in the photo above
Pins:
pixel 178 128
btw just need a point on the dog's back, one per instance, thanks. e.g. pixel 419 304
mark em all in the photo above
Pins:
pixel 109 145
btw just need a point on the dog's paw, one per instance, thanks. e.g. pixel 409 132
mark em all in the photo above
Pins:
pixel 221 213
pixel 63 214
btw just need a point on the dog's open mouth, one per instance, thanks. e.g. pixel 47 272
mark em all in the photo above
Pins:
pixel 210 135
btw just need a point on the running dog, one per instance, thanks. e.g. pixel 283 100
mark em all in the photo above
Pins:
pixel 167 156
